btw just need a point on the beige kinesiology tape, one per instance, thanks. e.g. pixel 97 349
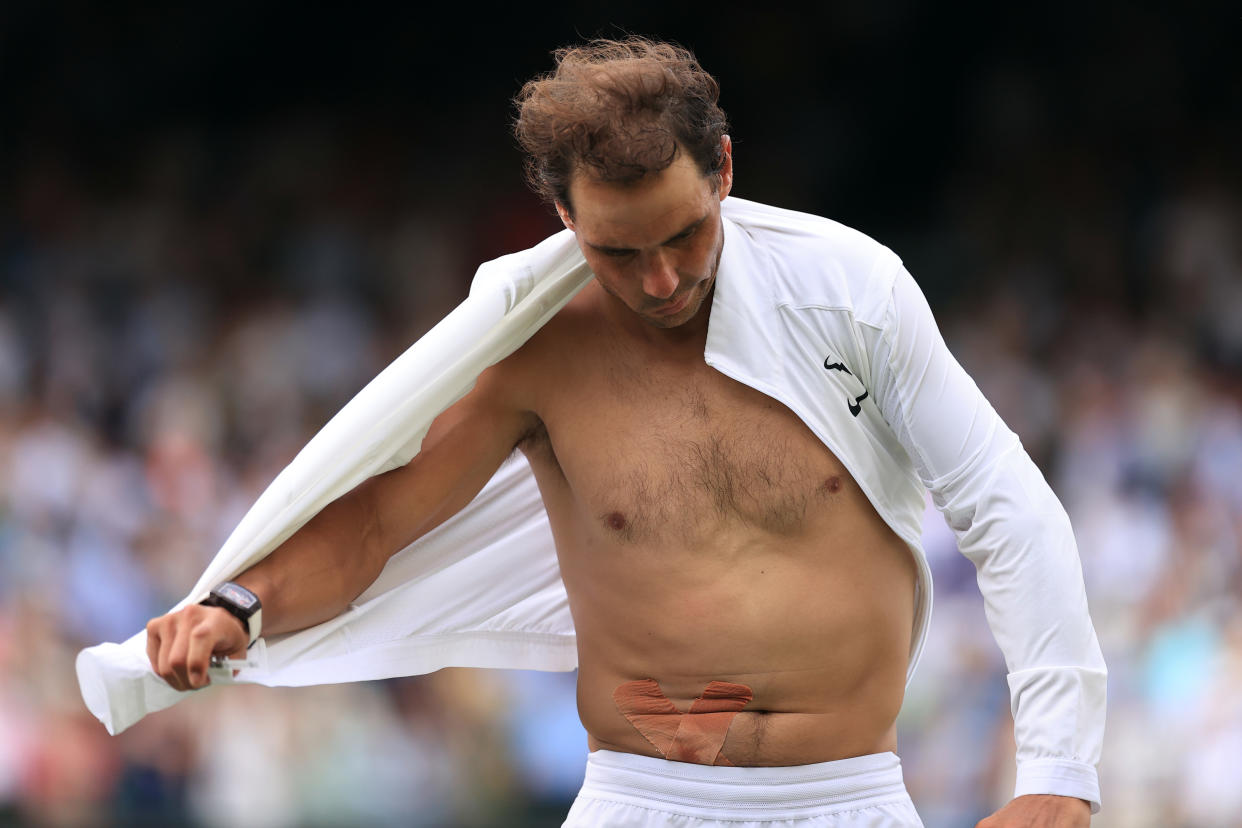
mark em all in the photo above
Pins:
pixel 696 736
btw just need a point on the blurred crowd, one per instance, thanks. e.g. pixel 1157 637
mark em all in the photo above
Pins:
pixel 145 406
pixel 1136 421
pixel 172 334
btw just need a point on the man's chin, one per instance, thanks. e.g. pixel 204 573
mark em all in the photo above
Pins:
pixel 664 322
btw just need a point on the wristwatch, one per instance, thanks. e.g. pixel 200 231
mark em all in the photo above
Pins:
pixel 241 603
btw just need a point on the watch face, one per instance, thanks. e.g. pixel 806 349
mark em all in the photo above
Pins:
pixel 243 598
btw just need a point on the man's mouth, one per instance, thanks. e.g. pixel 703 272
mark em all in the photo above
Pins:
pixel 675 307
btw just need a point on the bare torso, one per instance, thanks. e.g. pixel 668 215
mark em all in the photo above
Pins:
pixel 705 534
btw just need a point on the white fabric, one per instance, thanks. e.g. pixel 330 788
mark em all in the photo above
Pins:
pixel 467 616
pixel 831 296
pixel 805 310
pixel 623 790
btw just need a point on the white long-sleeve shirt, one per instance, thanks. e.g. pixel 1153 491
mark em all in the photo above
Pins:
pixel 844 318
pixel 812 313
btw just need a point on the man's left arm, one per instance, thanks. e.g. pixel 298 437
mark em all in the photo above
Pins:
pixel 1011 526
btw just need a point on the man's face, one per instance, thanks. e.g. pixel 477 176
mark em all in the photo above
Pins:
pixel 653 245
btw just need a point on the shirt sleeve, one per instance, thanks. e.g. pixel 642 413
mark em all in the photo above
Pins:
pixel 1011 526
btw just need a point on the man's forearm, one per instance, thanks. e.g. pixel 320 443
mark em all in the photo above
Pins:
pixel 314 575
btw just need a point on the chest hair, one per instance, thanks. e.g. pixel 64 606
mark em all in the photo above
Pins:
pixel 681 460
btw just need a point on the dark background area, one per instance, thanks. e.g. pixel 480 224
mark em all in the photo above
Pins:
pixel 878 114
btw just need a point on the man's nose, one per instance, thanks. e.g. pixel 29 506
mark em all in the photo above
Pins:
pixel 660 279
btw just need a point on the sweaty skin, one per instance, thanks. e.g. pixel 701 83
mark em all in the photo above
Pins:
pixel 707 539
pixel 705 535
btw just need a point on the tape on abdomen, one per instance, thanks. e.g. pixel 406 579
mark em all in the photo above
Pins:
pixel 696 736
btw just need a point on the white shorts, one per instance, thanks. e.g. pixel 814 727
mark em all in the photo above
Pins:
pixel 625 790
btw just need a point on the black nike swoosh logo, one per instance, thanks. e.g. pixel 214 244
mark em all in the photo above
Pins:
pixel 856 405
pixel 836 366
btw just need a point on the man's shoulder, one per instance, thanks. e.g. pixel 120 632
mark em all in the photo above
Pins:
pixel 561 337
pixel 792 228
pixel 813 260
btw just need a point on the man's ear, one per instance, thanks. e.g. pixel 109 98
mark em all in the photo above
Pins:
pixel 726 166
pixel 566 218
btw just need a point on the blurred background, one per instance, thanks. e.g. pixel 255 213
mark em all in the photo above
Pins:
pixel 219 220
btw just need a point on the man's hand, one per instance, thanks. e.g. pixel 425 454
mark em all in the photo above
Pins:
pixel 181 644
pixel 1041 811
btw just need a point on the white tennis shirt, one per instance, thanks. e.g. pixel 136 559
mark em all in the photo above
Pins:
pixel 806 310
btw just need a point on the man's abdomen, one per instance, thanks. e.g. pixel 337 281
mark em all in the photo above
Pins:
pixel 777 655
pixel 720 562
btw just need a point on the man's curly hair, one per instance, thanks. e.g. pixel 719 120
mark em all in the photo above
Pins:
pixel 619 110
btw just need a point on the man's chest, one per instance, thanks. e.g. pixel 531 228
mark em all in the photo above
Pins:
pixel 645 451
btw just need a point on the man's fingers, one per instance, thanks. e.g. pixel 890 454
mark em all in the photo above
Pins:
pixel 180 645
pixel 198 654
pixel 173 665
pixel 164 635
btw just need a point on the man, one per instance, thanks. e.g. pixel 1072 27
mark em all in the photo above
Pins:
pixel 725 427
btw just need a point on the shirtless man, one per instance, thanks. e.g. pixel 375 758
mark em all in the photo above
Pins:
pixel 744 614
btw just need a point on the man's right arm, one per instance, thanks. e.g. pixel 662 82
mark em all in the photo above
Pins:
pixel 314 575
pixel 1011 525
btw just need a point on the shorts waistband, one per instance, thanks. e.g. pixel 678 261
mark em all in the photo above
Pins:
pixel 856 782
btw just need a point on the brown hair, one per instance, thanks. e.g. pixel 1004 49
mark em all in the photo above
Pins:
pixel 621 109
